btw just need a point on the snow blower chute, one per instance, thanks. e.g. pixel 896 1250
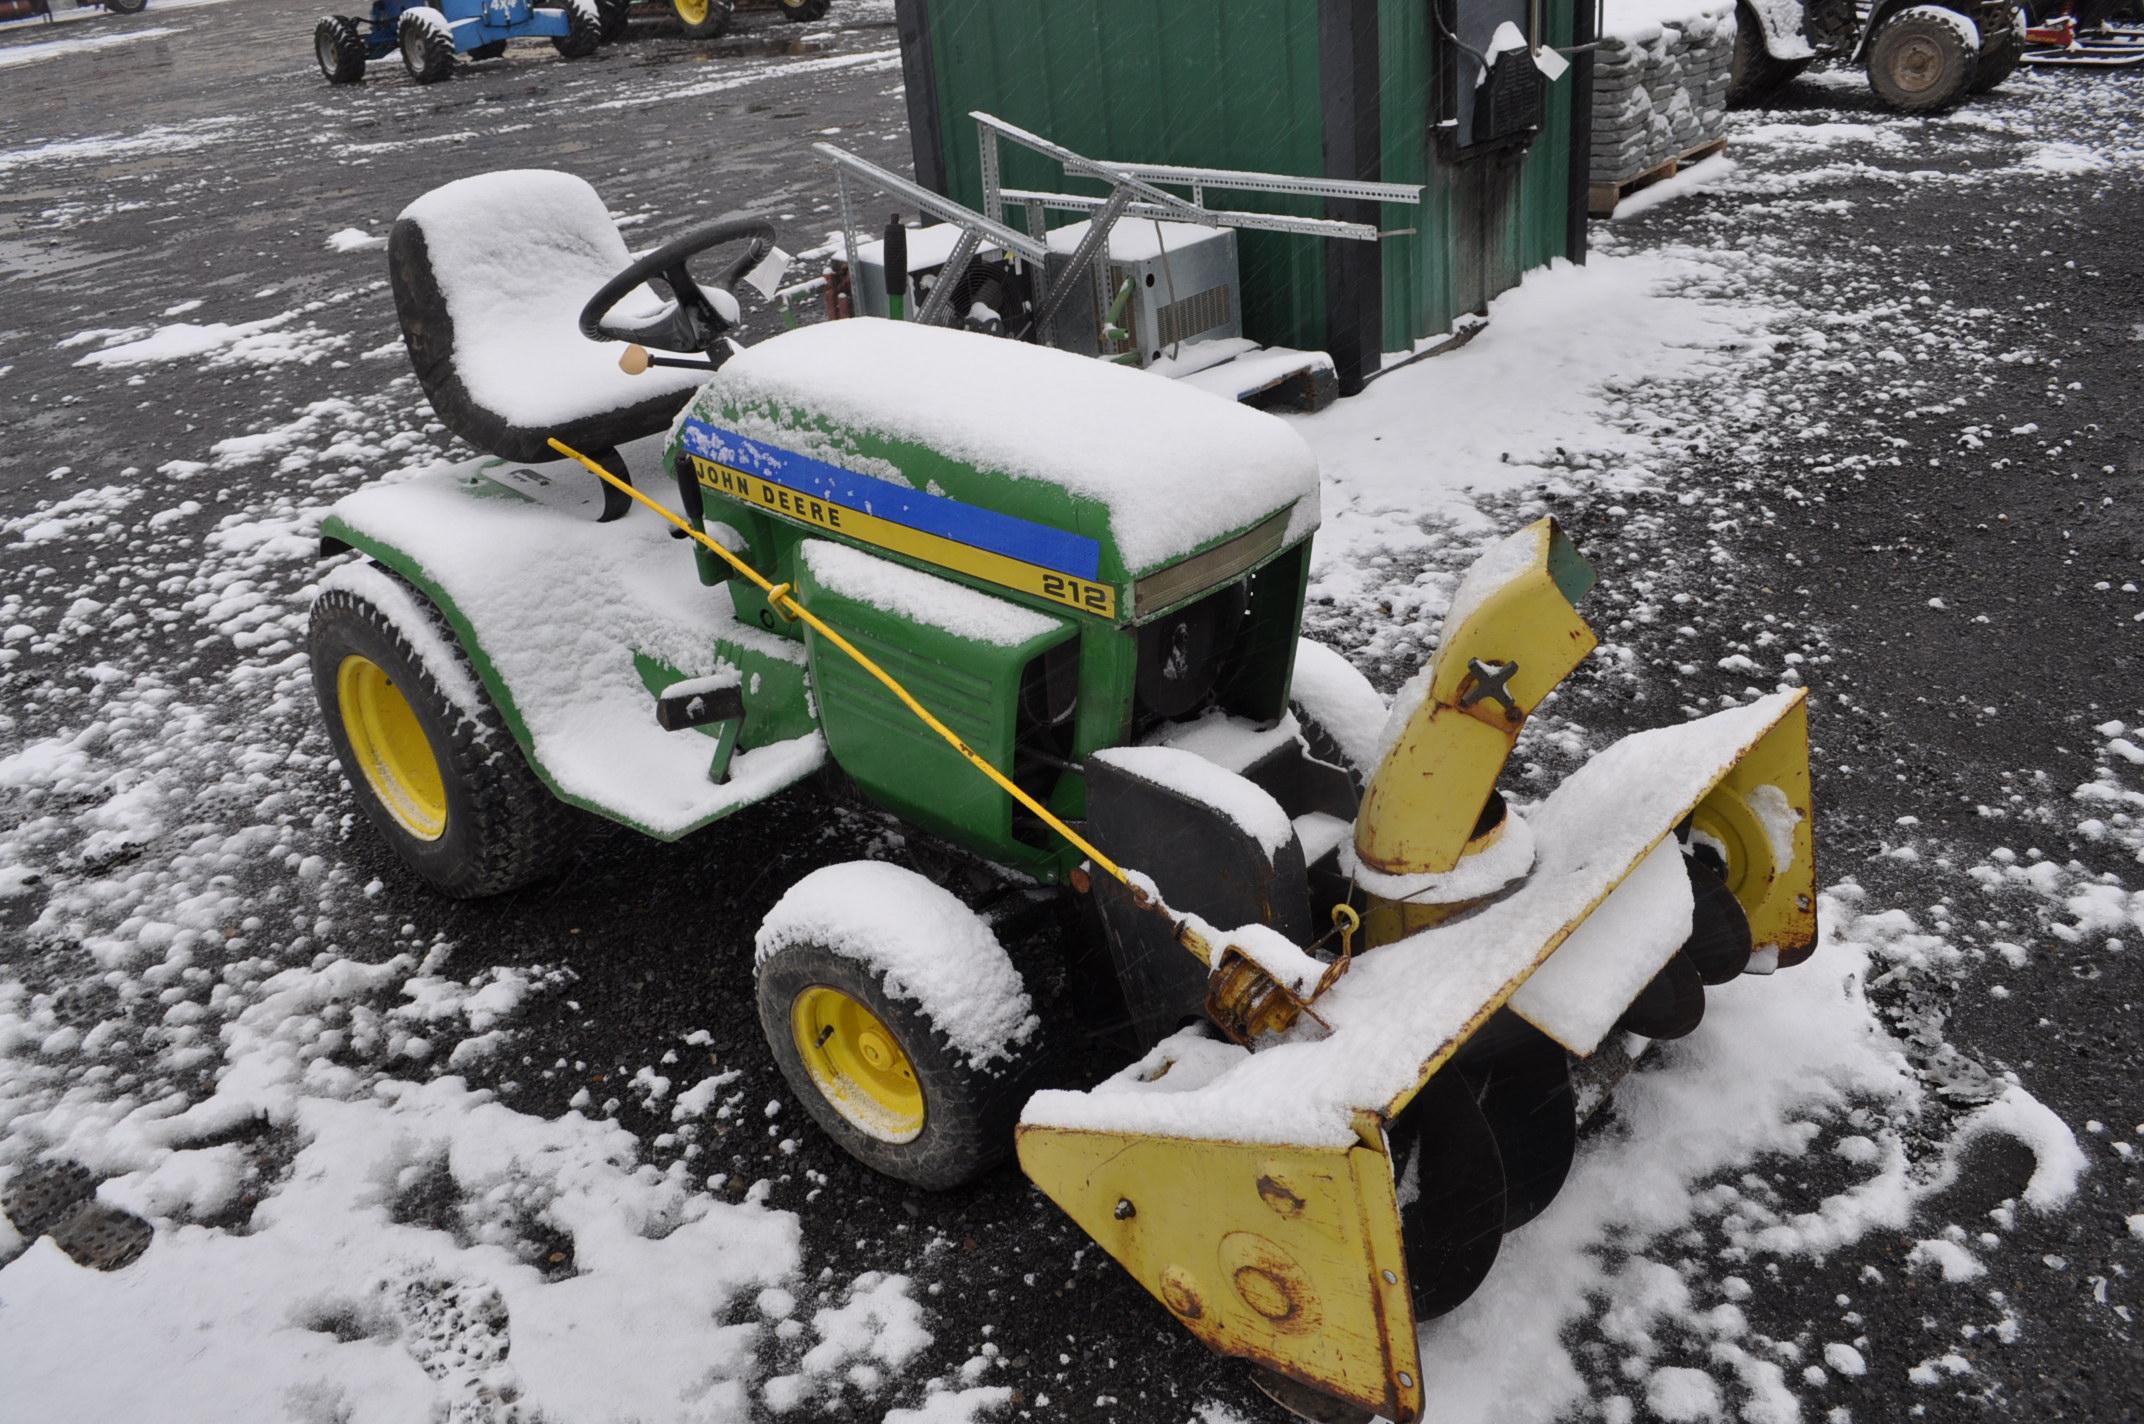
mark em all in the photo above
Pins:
pixel 1363 996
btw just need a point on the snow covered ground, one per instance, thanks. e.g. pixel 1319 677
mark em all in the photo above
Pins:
pixel 406 1159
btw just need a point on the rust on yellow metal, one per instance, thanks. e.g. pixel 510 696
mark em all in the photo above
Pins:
pixel 1285 1255
pixel 1507 653
pixel 1760 809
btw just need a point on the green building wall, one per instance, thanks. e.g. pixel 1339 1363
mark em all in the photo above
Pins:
pixel 1247 84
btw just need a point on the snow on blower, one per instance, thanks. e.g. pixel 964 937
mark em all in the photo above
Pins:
pixel 1365 998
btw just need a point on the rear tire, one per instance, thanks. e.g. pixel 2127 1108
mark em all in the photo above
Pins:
pixel 584 31
pixel 2000 53
pixel 1921 60
pixel 802 11
pixel 340 50
pixel 1755 74
pixel 704 19
pixel 614 16
pixel 479 823
pixel 427 48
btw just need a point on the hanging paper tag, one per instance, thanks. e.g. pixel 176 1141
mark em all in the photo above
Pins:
pixel 1549 62
pixel 767 276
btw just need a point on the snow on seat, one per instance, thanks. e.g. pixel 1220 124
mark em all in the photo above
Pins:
pixel 490 274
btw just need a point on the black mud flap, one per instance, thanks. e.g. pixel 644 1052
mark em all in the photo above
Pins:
pixel 1204 864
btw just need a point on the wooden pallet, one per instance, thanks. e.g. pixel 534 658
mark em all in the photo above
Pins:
pixel 1601 198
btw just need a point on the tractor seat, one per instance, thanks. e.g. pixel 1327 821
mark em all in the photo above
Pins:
pixel 490 274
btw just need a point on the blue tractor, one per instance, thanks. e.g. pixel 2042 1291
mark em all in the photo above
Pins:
pixel 432 36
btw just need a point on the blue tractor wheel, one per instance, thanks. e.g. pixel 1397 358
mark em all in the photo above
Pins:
pixel 340 49
pixel 427 44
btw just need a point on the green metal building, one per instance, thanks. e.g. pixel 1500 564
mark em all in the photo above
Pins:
pixel 1394 90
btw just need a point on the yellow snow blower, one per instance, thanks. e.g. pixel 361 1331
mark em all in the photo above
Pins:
pixel 1362 991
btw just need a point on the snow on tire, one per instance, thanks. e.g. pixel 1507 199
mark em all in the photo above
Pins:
pixel 1923 58
pixel 428 757
pixel 427 44
pixel 1342 715
pixel 898 1020
pixel 584 30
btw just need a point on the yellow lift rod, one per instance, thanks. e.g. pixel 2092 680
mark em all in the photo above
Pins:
pixel 786 604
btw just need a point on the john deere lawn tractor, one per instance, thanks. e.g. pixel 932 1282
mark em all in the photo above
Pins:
pixel 1043 613
pixel 432 38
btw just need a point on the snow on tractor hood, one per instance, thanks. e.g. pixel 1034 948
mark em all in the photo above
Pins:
pixel 1151 470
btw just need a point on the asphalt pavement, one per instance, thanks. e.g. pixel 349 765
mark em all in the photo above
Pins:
pixel 1967 627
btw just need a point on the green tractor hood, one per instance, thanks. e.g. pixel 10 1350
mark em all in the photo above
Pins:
pixel 1056 479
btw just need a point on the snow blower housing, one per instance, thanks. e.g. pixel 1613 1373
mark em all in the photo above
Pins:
pixel 1065 645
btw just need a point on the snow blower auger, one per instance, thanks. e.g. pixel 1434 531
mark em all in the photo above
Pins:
pixel 1044 611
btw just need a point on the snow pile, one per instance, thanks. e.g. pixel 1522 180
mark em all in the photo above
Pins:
pixel 1336 696
pixel 1776 1056
pixel 345 1293
pixel 270 341
pixel 1171 468
pixel 929 948
pixel 354 239
pixel 1659 83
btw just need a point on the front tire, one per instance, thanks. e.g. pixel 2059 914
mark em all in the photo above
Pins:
pixel 340 50
pixel 704 19
pixel 870 978
pixel 1754 74
pixel 614 16
pixel 2001 50
pixel 427 45
pixel 584 31
pixel 438 775
pixel 1923 59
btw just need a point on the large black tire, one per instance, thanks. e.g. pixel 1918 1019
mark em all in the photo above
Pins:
pixel 1921 61
pixel 968 1113
pixel 340 50
pixel 614 16
pixel 2001 49
pixel 1754 73
pixel 126 7
pixel 427 52
pixel 704 19
pixel 804 10
pixel 503 828
pixel 584 31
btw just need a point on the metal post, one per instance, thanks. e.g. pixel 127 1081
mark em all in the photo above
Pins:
pixel 1096 240
pixel 948 278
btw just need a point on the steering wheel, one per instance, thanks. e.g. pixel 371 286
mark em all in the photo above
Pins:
pixel 698 319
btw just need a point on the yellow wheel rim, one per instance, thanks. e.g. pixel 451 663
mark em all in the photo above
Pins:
pixel 857 1064
pixel 692 12
pixel 391 748
pixel 1726 822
